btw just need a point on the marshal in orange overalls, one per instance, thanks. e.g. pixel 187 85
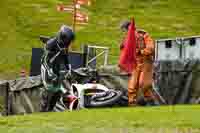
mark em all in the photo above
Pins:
pixel 142 76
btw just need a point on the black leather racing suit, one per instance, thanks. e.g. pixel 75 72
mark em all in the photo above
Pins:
pixel 59 63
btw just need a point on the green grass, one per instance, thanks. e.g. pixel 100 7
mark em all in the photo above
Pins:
pixel 22 21
pixel 169 119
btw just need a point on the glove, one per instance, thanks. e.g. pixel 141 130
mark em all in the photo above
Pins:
pixel 138 52
pixel 63 51
pixel 68 75
pixel 145 52
pixel 121 46
pixel 51 74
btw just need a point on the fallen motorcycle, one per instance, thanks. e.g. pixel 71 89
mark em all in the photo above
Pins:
pixel 88 95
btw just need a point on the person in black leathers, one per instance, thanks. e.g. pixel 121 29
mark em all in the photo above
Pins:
pixel 56 60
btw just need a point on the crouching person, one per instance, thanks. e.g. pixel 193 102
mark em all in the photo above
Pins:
pixel 55 70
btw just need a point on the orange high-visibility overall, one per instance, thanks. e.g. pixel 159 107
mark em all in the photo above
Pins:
pixel 142 75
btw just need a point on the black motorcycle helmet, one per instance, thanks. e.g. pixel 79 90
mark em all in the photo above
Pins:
pixel 65 36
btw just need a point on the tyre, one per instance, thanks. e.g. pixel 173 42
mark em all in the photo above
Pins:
pixel 108 100
pixel 123 101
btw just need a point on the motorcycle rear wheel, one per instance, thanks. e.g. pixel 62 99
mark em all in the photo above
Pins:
pixel 107 100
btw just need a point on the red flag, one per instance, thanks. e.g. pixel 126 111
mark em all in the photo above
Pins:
pixel 127 60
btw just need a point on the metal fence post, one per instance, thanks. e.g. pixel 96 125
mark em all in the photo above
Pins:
pixel 85 54
pixel 106 57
